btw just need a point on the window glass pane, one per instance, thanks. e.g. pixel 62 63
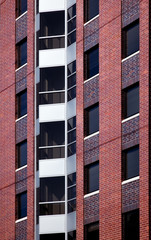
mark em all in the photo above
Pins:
pixel 52 79
pixel 71 24
pixel 22 154
pixel 71 38
pixel 71 192
pixel 23 53
pixel 92 62
pixel 71 149
pixel 92 120
pixel 72 80
pixel 51 43
pixel 71 93
pixel 52 208
pixel 72 11
pixel 52 133
pixel 132 100
pixel 23 6
pixel 93 177
pixel 71 68
pixel 49 98
pixel 132 163
pixel 92 231
pixel 132 39
pixel 72 206
pixel 91 9
pixel 71 179
pixel 57 236
pixel 51 153
pixel 22 205
pixel 131 225
pixel 52 23
pixel 72 136
pixel 22 104
pixel 71 123
pixel 52 189
pixel 72 235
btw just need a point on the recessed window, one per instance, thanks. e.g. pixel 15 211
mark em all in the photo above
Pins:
pixel 92 231
pixel 51 153
pixel 91 178
pixel 21 154
pixel 91 119
pixel 21 53
pixel 71 13
pixel 91 9
pixel 130 36
pixel 131 225
pixel 52 43
pixel 52 208
pixel 22 104
pixel 130 102
pixel 71 136
pixel 57 236
pixel 130 164
pixel 71 192
pixel 91 58
pixel 72 235
pixel 71 70
pixel 21 7
pixel 21 205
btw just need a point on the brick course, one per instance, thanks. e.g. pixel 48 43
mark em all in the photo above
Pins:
pixel 21 180
pixel 21 130
pixel 91 92
pixel 130 11
pixel 21 28
pixel 21 230
pixel 91 34
pixel 91 209
pixel 91 149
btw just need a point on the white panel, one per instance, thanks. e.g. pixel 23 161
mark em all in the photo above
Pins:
pixel 52 57
pixel 52 224
pixel 71 108
pixel 71 221
pixel 52 112
pixel 51 5
pixel 51 167
pixel 71 53
pixel 71 164
pixel 70 3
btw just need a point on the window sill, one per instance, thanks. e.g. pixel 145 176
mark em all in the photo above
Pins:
pixel 20 67
pixel 130 180
pixel 18 169
pixel 18 119
pixel 91 20
pixel 21 219
pixel 129 118
pixel 91 135
pixel 87 80
pixel 133 54
pixel 21 16
pixel 91 194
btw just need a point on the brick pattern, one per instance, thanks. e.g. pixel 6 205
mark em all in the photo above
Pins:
pixel 21 79
pixel 91 149
pixel 110 222
pixel 130 71
pixel 21 28
pixel 91 209
pixel 21 85
pixel 130 11
pixel 130 133
pixel 21 130
pixel 91 34
pixel 21 181
pixel 91 92
pixel 21 230
pixel 130 196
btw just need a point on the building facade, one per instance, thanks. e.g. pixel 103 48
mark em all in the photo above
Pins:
pixel 75 120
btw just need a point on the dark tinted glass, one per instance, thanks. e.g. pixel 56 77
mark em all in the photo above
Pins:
pixel 131 225
pixel 71 192
pixel 71 38
pixel 132 101
pixel 72 80
pixel 92 62
pixel 22 154
pixel 71 149
pixel 92 231
pixel 71 93
pixel 21 7
pixel 92 120
pixel 72 11
pixel 51 153
pixel 72 136
pixel 71 123
pixel 71 24
pixel 52 79
pixel 52 133
pixel 22 104
pixel 131 163
pixel 52 189
pixel 72 235
pixel 71 179
pixel 49 98
pixel 52 208
pixel 58 236
pixel 71 68
pixel 131 39
pixel 71 205
pixel 51 43
pixel 91 9
pixel 22 205
pixel 21 49
pixel 52 23
pixel 92 172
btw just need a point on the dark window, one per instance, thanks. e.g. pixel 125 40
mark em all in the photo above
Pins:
pixel 57 236
pixel 71 149
pixel 71 12
pixel 130 39
pixel 21 205
pixel 52 189
pixel 91 9
pixel 51 153
pixel 91 120
pixel 131 225
pixel 71 179
pixel 50 98
pixel 72 80
pixel 21 53
pixel 92 177
pixel 52 208
pixel 52 79
pixel 71 123
pixel 21 7
pixel 72 235
pixel 130 101
pixel 71 136
pixel 52 133
pixel 52 23
pixel 71 205
pixel 72 192
pixel 22 154
pixel 22 104
pixel 71 24
pixel 71 93
pixel 51 43
pixel 91 58
pixel 71 68
pixel 130 163
pixel 92 231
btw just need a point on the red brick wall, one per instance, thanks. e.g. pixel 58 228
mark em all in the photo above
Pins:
pixel 110 119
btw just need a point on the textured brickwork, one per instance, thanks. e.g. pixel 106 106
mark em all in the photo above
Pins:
pixel 130 196
pixel 21 180
pixel 21 28
pixel 91 149
pixel 21 230
pixel 21 79
pixel 91 34
pixel 21 85
pixel 130 11
pixel 110 120
pixel 130 71
pixel 91 209
pixel 91 92
pixel 21 130
pixel 130 133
